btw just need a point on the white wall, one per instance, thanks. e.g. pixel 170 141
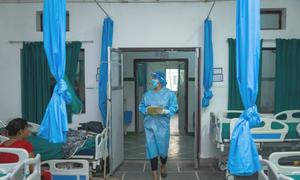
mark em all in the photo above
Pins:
pixel 136 25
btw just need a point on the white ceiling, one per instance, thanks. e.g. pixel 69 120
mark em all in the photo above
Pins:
pixel 109 1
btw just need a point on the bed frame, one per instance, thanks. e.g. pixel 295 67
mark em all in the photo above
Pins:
pixel 260 135
pixel 264 136
pixel 19 170
pixel 273 170
pixel 68 169
pixel 101 151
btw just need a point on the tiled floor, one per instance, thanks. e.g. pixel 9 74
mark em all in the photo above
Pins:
pixel 174 125
pixel 181 147
pixel 180 162
pixel 177 170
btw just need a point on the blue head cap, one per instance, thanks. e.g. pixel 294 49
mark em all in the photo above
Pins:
pixel 161 77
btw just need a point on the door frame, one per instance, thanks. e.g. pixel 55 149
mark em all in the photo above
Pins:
pixel 109 120
pixel 197 51
pixel 149 60
pixel 198 106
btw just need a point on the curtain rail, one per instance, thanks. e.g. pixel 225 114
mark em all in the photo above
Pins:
pixel 211 8
pixel 19 42
pixel 115 2
pixel 102 9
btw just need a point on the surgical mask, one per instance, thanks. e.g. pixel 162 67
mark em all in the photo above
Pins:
pixel 154 83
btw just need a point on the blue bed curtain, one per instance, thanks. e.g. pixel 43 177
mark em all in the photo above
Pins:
pixel 234 98
pixel 54 126
pixel 208 63
pixel 243 156
pixel 107 36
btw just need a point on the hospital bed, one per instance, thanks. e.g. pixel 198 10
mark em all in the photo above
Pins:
pixel 222 125
pixel 279 131
pixel 98 153
pixel 292 119
pixel 20 170
pixel 280 167
pixel 94 148
pixel 71 169
pixel 17 173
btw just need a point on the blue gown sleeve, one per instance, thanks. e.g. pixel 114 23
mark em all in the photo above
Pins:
pixel 142 106
pixel 173 106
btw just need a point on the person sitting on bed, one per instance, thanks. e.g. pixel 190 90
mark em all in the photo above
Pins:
pixel 18 132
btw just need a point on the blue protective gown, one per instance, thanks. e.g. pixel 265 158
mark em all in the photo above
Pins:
pixel 157 128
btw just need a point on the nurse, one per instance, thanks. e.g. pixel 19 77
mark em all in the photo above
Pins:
pixel 158 106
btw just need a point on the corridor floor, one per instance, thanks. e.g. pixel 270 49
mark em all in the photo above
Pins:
pixel 181 147
pixel 177 170
pixel 180 160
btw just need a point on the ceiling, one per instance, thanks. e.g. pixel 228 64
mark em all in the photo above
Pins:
pixel 110 1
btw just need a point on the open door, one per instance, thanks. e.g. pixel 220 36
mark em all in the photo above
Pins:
pixel 140 89
pixel 115 108
pixel 197 116
pixel 181 98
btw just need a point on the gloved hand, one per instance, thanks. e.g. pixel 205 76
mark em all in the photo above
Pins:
pixel 147 110
pixel 166 111
pixel 163 112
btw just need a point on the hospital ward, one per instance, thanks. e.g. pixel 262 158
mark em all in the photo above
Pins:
pixel 150 90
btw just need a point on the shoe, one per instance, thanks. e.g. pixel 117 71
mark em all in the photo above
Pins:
pixel 163 174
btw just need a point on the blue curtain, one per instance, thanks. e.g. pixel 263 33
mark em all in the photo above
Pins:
pixel 107 36
pixel 243 157
pixel 208 63
pixel 54 126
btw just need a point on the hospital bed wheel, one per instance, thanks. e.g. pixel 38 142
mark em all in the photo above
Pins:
pixel 229 176
pixel 222 166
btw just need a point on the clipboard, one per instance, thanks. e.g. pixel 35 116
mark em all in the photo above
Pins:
pixel 153 110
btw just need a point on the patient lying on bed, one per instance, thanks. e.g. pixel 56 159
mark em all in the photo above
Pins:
pixel 18 132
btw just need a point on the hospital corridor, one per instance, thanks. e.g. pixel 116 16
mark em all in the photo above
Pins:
pixel 149 90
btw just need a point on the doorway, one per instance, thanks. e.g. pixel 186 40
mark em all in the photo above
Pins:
pixel 176 71
pixel 181 68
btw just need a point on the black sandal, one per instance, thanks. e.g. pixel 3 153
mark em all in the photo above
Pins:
pixel 163 175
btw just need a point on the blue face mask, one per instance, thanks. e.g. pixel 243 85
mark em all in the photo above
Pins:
pixel 154 83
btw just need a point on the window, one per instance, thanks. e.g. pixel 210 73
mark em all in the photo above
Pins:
pixel 172 79
pixel 272 19
pixel 39 21
pixel 175 79
pixel 80 79
pixel 268 80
